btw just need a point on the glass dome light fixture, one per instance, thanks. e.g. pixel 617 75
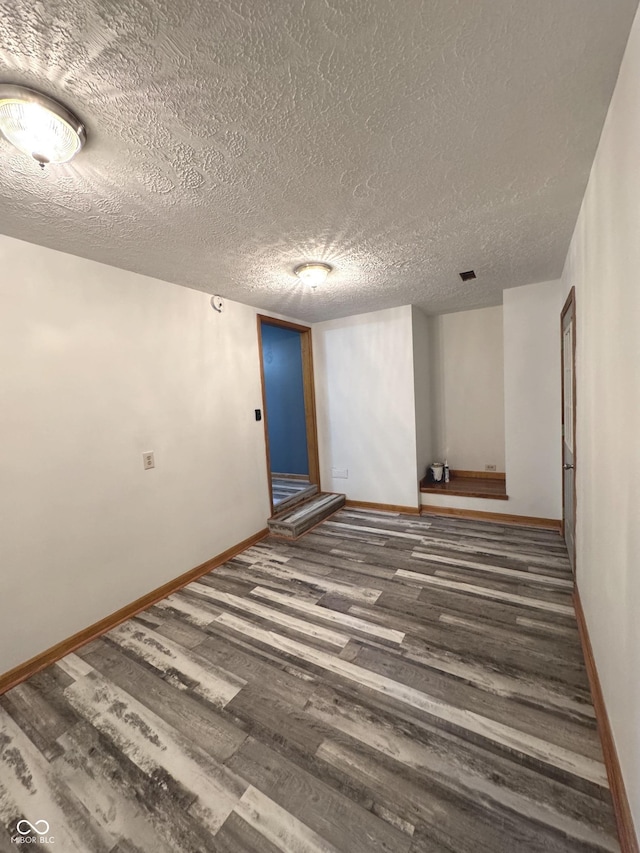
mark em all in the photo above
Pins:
pixel 39 126
pixel 313 274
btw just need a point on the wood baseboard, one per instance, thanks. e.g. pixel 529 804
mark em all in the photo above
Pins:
pixel 25 670
pixel 626 832
pixel 501 518
pixel 411 510
pixel 479 475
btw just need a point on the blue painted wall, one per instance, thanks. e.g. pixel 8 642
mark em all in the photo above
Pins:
pixel 282 358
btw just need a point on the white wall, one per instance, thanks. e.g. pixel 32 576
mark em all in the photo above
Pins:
pixel 468 381
pixel 532 383
pixel 603 264
pixel 366 412
pixel 100 365
pixel 422 384
pixel 531 316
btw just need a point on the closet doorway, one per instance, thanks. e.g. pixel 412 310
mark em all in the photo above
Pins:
pixel 288 397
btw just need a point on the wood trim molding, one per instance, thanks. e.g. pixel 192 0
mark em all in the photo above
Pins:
pixel 411 510
pixel 284 324
pixel 626 832
pixel 480 475
pixel 25 670
pixel 309 391
pixel 501 518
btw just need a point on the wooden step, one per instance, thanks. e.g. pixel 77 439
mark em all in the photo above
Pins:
pixel 468 487
pixel 294 522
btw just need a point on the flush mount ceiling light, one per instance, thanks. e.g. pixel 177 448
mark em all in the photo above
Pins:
pixel 313 274
pixel 39 126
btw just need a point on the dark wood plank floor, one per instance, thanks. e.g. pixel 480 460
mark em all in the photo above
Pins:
pixel 386 683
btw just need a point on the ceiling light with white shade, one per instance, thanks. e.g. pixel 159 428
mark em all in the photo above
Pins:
pixel 313 274
pixel 39 126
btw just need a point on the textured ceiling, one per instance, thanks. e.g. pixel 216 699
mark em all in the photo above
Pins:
pixel 401 141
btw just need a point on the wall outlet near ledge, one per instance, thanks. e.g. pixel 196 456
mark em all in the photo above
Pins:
pixel 490 468
pixel 148 460
pixel 340 473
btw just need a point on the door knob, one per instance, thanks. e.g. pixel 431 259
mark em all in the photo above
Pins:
pixel 567 466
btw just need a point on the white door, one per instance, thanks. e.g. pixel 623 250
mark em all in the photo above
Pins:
pixel 569 426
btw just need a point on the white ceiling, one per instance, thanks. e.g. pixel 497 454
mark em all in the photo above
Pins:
pixel 401 141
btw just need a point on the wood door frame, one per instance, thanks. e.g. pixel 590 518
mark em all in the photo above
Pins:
pixel 309 392
pixel 569 305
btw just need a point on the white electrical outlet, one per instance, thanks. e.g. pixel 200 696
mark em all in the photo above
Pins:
pixel 340 473
pixel 490 468
pixel 148 460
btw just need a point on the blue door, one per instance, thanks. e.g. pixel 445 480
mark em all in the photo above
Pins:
pixel 284 396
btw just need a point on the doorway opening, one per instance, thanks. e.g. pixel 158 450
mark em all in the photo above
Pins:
pixel 288 397
pixel 568 330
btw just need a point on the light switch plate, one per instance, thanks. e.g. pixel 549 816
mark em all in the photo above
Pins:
pixel 340 473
